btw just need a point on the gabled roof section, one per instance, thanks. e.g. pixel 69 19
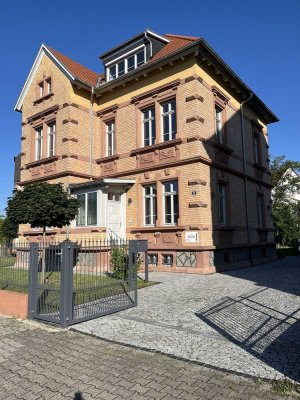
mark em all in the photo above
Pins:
pixel 72 69
pixel 176 42
pixel 80 72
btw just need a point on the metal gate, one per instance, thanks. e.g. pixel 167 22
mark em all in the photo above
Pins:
pixel 71 282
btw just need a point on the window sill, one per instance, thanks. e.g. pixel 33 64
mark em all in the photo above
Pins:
pixel 41 161
pixel 222 147
pixel 108 158
pixel 158 228
pixel 262 229
pixel 41 99
pixel 155 146
pixel 259 166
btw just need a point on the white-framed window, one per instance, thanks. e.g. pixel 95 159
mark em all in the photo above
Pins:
pixel 126 64
pixel 150 207
pixel 51 139
pixel 49 85
pixel 256 149
pixel 41 89
pixel 219 123
pixel 170 202
pixel 38 143
pixel 168 114
pixel 149 131
pixel 110 138
pixel 260 210
pixel 87 212
pixel 222 203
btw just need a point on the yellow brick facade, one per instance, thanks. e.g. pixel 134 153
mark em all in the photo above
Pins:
pixel 193 159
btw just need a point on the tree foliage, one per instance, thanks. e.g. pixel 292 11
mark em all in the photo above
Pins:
pixel 286 206
pixel 42 205
pixel 8 229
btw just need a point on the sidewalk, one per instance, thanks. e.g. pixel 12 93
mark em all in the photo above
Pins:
pixel 41 362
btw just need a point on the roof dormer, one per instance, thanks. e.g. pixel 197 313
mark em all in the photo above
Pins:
pixel 132 54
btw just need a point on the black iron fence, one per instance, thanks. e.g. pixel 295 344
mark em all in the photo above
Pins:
pixel 72 282
pixel 69 282
pixel 14 266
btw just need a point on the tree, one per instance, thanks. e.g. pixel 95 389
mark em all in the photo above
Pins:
pixel 8 229
pixel 286 204
pixel 42 205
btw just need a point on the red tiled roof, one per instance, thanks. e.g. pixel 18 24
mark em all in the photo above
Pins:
pixel 90 77
pixel 79 71
pixel 176 42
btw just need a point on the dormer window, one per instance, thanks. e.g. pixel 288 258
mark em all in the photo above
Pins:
pixel 125 65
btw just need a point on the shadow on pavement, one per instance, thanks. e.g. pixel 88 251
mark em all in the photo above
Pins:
pixel 266 321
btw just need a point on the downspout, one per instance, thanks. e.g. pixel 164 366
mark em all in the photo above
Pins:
pixel 91 133
pixel 68 226
pixel 151 48
pixel 245 170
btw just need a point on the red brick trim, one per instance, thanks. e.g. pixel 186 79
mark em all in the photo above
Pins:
pixel 195 118
pixel 69 138
pixel 196 182
pixel 201 159
pixel 196 204
pixel 107 110
pixel 41 114
pixel 59 175
pixel 70 120
pixel 42 161
pixel 219 94
pixel 108 159
pixel 155 146
pixel 41 99
pixel 156 91
pixel 194 97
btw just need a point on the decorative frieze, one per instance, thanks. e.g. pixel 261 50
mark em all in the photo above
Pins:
pixel 43 170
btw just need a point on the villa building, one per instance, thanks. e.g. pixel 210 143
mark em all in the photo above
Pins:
pixel 168 144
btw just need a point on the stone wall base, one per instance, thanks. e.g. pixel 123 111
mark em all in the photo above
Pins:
pixel 13 304
pixel 210 261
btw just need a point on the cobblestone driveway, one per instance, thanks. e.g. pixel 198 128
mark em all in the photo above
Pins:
pixel 37 362
pixel 245 321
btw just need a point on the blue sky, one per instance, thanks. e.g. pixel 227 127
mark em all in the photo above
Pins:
pixel 258 39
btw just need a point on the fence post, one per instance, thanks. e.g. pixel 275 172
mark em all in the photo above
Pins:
pixel 33 279
pixel 66 283
pixel 133 253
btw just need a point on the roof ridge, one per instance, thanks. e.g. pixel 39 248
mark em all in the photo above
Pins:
pixel 182 36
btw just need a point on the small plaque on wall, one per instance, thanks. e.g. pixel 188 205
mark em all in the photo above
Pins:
pixel 191 236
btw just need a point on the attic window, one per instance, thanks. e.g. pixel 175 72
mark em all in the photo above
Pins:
pixel 44 87
pixel 125 65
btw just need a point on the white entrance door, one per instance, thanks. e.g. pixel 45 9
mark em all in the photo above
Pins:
pixel 116 213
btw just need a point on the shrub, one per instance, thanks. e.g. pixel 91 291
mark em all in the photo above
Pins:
pixel 120 261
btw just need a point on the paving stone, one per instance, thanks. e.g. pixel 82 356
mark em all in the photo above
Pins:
pixel 244 321
pixel 39 362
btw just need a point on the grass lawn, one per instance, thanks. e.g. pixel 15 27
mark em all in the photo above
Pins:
pixel 86 287
pixel 287 251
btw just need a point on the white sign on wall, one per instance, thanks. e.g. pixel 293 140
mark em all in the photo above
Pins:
pixel 191 236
